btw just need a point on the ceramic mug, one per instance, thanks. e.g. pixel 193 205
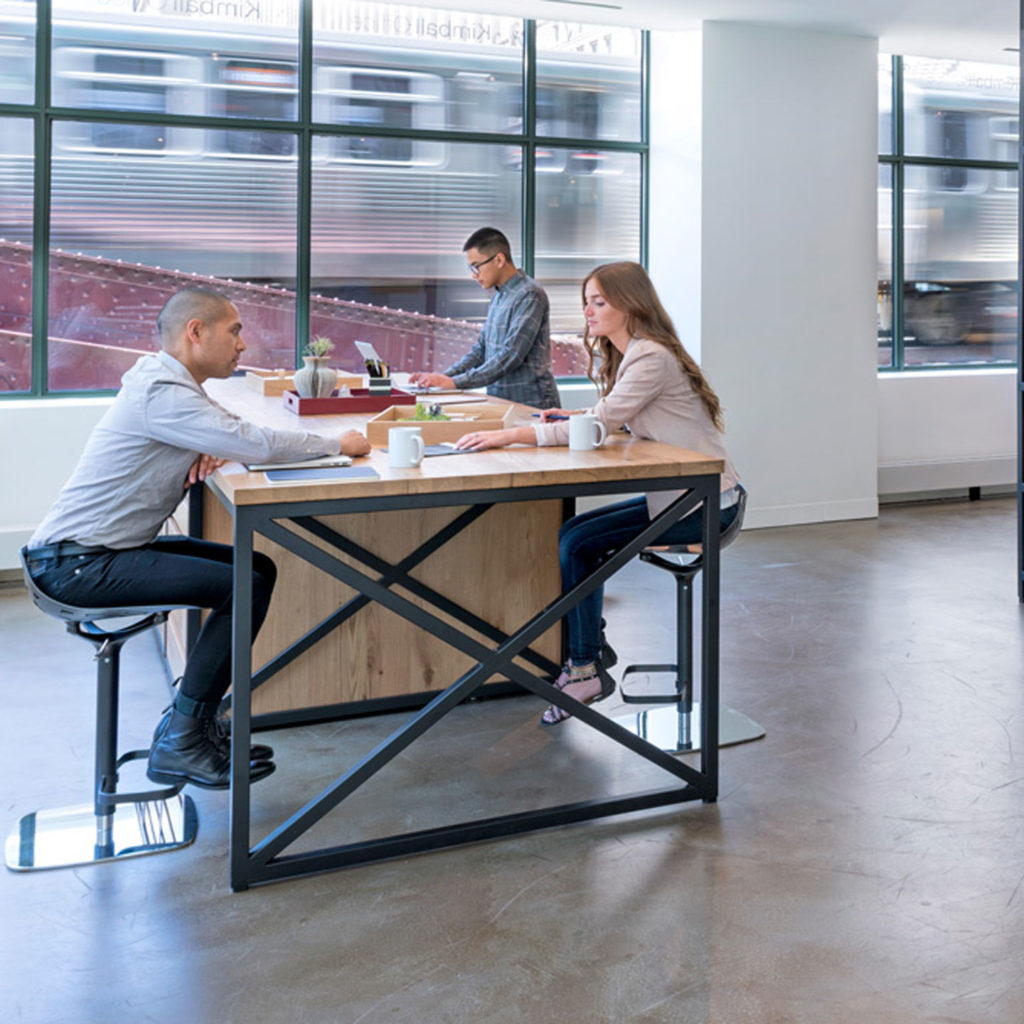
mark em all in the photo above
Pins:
pixel 585 432
pixel 405 447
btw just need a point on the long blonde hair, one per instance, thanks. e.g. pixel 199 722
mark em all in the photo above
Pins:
pixel 627 288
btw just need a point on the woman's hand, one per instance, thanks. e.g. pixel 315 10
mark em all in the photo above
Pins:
pixel 353 443
pixel 202 468
pixel 482 439
pixel 547 415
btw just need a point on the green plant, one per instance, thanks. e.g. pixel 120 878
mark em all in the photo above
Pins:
pixel 319 346
pixel 428 412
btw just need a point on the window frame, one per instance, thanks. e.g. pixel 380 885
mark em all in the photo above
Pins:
pixel 899 162
pixel 44 113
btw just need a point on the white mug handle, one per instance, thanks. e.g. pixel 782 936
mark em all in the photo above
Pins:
pixel 600 434
pixel 418 439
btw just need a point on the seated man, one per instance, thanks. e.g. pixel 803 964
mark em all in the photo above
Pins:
pixel 512 354
pixel 98 545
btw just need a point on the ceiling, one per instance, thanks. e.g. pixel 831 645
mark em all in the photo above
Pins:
pixel 967 29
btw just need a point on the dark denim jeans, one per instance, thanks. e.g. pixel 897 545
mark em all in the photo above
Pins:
pixel 170 571
pixel 587 539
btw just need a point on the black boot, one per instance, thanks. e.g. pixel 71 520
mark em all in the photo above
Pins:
pixel 608 656
pixel 182 751
pixel 220 734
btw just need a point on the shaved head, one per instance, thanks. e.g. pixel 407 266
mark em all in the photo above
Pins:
pixel 203 304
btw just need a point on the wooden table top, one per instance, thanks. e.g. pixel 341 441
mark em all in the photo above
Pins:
pixel 620 458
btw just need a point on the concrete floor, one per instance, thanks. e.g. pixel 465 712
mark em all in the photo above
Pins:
pixel 863 864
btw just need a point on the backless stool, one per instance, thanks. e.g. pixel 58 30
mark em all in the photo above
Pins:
pixel 116 825
pixel 676 728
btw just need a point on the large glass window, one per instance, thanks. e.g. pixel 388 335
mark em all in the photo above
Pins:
pixel 126 233
pixel 15 254
pixel 588 212
pixel 182 149
pixel 588 81
pixel 948 231
pixel 17 50
pixel 395 67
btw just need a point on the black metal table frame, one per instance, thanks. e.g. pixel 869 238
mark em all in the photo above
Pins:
pixel 267 861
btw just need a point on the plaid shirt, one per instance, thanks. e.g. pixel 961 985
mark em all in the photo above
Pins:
pixel 512 354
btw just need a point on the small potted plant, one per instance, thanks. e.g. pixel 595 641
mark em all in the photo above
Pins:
pixel 316 379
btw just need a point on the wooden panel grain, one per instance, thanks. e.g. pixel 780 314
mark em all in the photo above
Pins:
pixel 503 567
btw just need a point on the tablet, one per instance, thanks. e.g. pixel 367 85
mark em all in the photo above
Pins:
pixel 323 462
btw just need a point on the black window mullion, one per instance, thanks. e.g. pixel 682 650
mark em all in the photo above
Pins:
pixel 645 141
pixel 529 146
pixel 304 214
pixel 43 135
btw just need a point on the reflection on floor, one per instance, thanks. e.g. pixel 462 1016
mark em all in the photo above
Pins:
pixel 864 862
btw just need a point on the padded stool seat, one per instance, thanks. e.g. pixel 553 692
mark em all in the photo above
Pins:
pixel 116 825
pixel 676 728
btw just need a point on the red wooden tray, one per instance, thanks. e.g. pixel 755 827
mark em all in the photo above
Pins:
pixel 360 400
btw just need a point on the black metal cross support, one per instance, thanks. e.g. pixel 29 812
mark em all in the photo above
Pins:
pixel 268 861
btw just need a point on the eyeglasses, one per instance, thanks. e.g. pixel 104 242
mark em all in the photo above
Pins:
pixel 474 268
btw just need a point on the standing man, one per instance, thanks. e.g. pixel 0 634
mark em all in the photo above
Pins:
pixel 512 354
pixel 99 545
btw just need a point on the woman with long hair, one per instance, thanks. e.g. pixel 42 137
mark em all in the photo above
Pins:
pixel 649 383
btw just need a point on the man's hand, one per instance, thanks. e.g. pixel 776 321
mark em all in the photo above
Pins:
pixel 353 443
pixel 202 468
pixel 432 380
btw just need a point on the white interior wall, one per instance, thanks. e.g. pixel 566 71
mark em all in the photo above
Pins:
pixel 788 251
pixel 40 441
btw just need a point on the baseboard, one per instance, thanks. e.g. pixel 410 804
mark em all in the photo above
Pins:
pixel 947 474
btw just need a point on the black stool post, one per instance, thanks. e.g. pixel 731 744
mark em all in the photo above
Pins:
pixel 108 679
pixel 676 729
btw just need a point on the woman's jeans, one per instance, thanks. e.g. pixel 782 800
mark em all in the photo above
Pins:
pixel 587 539
pixel 171 571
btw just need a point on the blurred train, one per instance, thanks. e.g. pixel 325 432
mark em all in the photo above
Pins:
pixel 960 223
pixel 389 214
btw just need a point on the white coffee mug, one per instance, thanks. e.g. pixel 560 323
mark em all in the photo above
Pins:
pixel 405 447
pixel 585 432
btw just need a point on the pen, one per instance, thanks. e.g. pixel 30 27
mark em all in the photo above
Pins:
pixel 550 418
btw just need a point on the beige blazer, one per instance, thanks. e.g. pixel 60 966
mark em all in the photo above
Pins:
pixel 655 400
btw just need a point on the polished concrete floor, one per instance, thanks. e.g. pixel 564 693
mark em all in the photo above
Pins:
pixel 865 861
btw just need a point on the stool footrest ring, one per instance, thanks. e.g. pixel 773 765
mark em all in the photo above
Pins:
pixel 672 697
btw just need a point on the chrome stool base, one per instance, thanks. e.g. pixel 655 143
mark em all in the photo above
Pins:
pixel 678 732
pixel 69 836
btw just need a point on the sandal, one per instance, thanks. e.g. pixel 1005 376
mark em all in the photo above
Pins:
pixel 555 715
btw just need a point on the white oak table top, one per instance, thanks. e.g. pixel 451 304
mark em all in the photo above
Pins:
pixel 620 458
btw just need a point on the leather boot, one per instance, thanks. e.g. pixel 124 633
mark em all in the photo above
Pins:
pixel 220 734
pixel 183 751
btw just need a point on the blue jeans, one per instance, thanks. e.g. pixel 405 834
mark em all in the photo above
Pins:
pixel 587 539
pixel 171 571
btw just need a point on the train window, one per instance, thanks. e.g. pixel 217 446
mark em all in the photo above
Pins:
pixel 260 89
pixel 389 99
pixel 588 81
pixel 136 82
